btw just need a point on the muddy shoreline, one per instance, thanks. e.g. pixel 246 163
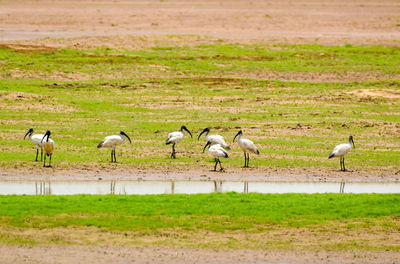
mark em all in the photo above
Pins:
pixel 386 175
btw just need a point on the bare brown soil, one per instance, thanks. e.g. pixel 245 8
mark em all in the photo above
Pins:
pixel 134 254
pixel 113 172
pixel 28 101
pixel 303 21
pixel 391 94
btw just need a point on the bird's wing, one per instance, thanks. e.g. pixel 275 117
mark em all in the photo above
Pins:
pixel 344 149
pixel 36 139
pixel 110 141
pixel 217 139
pixel 174 137
pixel 218 151
pixel 340 149
pixel 249 145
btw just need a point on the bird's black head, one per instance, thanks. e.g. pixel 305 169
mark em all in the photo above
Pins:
pixel 47 134
pixel 238 134
pixel 205 130
pixel 124 134
pixel 30 132
pixel 185 128
pixel 351 141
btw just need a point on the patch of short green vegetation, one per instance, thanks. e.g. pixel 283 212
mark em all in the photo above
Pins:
pixel 259 217
pixel 84 95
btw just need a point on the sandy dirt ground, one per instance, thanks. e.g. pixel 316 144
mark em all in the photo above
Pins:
pixel 300 21
pixel 391 174
pixel 132 254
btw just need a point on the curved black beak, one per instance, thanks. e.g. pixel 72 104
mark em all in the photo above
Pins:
pixel 238 133
pixel 30 131
pixel 208 144
pixel 188 132
pixel 47 134
pixel 123 133
pixel 205 130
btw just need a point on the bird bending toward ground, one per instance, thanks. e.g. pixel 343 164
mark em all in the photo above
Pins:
pixel 213 139
pixel 247 146
pixel 36 140
pixel 48 146
pixel 341 151
pixel 112 142
pixel 176 137
pixel 217 151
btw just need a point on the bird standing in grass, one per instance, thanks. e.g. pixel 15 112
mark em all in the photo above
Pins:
pixel 48 146
pixel 217 151
pixel 247 146
pixel 36 140
pixel 341 151
pixel 176 137
pixel 213 139
pixel 112 142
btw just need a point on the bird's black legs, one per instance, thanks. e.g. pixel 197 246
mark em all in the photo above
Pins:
pixel 173 152
pixel 113 157
pixel 220 165
pixel 41 154
pixel 344 168
pixel 37 153
pixel 216 163
pixel 246 160
pixel 44 161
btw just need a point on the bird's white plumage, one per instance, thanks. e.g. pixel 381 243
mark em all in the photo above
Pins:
pixel 217 151
pixel 216 139
pixel 341 150
pixel 36 140
pixel 247 145
pixel 175 137
pixel 112 141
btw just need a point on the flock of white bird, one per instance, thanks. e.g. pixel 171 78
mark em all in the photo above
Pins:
pixel 217 147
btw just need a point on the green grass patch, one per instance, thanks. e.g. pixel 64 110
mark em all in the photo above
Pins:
pixel 84 95
pixel 180 217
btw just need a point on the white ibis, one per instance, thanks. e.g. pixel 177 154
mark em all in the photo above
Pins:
pixel 112 142
pixel 341 150
pixel 213 139
pixel 217 151
pixel 176 137
pixel 48 146
pixel 36 140
pixel 247 146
